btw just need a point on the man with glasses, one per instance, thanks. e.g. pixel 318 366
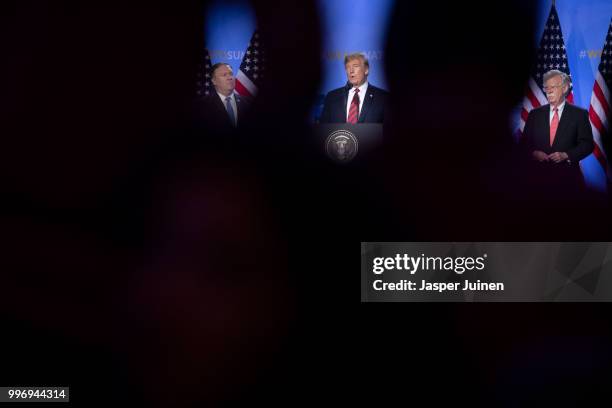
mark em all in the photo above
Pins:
pixel 558 134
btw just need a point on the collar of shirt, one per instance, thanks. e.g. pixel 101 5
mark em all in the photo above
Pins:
pixel 362 90
pixel 231 96
pixel 551 113
pixel 559 108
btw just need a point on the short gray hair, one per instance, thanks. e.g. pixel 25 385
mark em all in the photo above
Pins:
pixel 564 77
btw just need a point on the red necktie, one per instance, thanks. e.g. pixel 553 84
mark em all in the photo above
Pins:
pixel 554 124
pixel 353 114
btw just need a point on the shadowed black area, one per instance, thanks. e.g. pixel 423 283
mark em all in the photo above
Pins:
pixel 181 267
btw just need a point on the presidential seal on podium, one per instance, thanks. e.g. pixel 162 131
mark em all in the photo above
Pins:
pixel 341 146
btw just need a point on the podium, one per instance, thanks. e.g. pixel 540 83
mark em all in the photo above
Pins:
pixel 345 142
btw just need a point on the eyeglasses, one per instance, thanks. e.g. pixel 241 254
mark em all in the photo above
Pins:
pixel 550 88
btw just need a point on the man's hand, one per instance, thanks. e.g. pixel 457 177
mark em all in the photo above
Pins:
pixel 540 156
pixel 558 157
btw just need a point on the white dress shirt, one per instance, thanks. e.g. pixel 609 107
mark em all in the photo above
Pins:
pixel 232 102
pixel 362 91
pixel 552 112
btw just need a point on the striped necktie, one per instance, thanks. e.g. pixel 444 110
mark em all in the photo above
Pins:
pixel 353 114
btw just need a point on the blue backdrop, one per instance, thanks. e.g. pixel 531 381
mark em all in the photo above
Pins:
pixel 229 27
pixel 348 27
pixel 353 26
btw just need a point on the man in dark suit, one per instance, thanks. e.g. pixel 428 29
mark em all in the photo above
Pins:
pixel 558 136
pixel 358 101
pixel 224 109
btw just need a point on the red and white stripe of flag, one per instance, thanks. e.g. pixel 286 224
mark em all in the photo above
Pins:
pixel 244 86
pixel 534 98
pixel 599 110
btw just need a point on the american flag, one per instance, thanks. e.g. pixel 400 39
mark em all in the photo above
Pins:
pixel 203 84
pixel 552 54
pixel 600 109
pixel 251 70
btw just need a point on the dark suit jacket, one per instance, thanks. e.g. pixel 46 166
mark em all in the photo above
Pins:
pixel 212 111
pixel 374 109
pixel 574 137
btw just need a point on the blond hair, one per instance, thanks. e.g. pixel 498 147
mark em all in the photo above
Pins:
pixel 357 55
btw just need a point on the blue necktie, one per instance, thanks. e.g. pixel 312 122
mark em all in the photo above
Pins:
pixel 230 110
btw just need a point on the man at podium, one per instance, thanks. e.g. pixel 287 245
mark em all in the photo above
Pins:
pixel 358 101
